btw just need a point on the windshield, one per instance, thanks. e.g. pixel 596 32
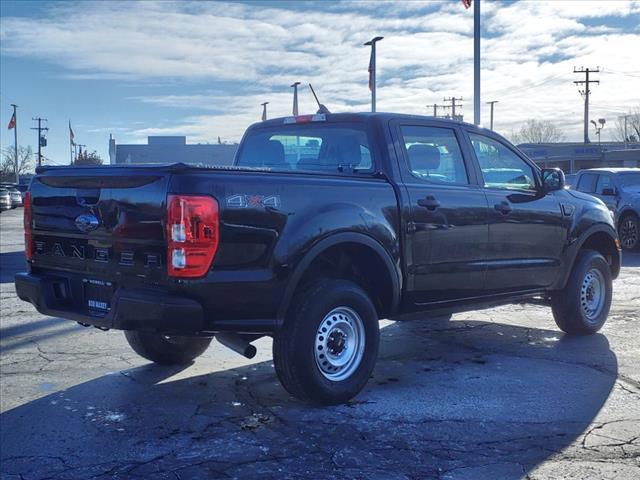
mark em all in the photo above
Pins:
pixel 630 182
pixel 308 147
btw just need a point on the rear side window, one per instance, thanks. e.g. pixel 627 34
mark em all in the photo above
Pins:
pixel 434 154
pixel 501 167
pixel 587 183
pixel 308 147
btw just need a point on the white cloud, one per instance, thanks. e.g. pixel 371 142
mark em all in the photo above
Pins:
pixel 528 55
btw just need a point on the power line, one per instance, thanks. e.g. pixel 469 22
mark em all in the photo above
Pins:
pixel 585 93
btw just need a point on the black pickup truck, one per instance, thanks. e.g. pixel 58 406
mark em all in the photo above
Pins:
pixel 324 224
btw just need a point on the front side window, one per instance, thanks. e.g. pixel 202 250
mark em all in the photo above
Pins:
pixel 434 154
pixel 604 181
pixel 501 167
pixel 308 147
pixel 587 183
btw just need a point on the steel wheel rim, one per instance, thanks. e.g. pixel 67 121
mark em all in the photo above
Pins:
pixel 339 344
pixel 592 294
pixel 629 233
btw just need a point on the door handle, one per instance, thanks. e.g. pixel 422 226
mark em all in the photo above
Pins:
pixel 429 202
pixel 503 207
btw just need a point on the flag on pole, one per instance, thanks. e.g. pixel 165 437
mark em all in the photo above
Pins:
pixel 12 122
pixel 71 135
pixel 466 3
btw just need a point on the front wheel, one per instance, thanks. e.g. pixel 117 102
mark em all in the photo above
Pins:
pixel 166 349
pixel 328 346
pixel 583 305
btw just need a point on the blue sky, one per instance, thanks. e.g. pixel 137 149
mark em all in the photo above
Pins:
pixel 202 69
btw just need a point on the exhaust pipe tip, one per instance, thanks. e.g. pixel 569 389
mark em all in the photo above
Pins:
pixel 237 343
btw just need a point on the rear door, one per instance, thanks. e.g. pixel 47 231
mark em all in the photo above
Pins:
pixel 526 233
pixel 446 220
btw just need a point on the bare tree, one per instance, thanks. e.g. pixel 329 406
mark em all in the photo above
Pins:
pixel 537 131
pixel 85 158
pixel 7 164
pixel 633 127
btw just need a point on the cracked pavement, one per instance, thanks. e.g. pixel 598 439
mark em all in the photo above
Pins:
pixel 492 394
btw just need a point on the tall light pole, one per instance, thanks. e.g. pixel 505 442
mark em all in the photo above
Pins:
pixel 295 98
pixel 601 121
pixel 372 70
pixel 476 62
pixel 264 110
pixel 492 102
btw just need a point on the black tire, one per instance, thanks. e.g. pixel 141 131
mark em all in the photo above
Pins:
pixel 572 306
pixel 166 350
pixel 629 232
pixel 294 346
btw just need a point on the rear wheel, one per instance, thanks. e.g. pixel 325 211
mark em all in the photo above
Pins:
pixel 166 349
pixel 329 344
pixel 583 305
pixel 629 232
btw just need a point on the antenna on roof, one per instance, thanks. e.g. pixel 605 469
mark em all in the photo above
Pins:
pixel 321 107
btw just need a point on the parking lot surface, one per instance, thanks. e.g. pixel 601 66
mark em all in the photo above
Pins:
pixel 492 394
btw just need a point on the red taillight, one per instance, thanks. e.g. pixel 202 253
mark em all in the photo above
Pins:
pixel 192 234
pixel 28 236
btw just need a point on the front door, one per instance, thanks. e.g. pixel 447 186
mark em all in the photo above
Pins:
pixel 446 230
pixel 526 233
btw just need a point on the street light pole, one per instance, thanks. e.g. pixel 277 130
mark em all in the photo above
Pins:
pixel 492 102
pixel 476 62
pixel 372 70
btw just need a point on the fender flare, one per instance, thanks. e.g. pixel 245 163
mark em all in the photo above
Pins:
pixel 345 237
pixel 576 246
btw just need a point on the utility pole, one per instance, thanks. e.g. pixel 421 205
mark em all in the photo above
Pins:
pixel 42 142
pixel 264 110
pixel 476 63
pixel 586 93
pixel 15 142
pixel 453 106
pixel 435 108
pixel 492 102
pixel 372 70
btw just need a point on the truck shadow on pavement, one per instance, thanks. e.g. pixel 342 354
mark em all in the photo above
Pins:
pixel 460 399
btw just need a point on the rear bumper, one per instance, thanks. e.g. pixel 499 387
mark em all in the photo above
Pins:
pixel 150 310
pixel 131 309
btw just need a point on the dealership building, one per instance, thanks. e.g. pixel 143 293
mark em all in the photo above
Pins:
pixel 171 149
pixel 572 157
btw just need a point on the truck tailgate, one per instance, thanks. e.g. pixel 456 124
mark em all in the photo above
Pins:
pixel 105 222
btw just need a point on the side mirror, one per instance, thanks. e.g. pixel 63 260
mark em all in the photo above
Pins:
pixel 552 179
pixel 609 191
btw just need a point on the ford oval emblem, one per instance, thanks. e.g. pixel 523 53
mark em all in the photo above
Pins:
pixel 87 222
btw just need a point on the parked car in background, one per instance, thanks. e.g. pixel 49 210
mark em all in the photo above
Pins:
pixel 570 180
pixel 619 189
pixel 5 200
pixel 14 194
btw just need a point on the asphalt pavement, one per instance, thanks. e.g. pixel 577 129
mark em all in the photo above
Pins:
pixel 493 394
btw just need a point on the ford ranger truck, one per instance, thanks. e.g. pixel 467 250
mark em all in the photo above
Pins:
pixel 325 224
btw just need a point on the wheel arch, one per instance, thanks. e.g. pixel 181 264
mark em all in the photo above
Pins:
pixel 603 239
pixel 366 251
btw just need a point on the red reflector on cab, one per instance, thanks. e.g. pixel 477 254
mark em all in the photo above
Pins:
pixel 192 235
pixel 28 230
pixel 318 117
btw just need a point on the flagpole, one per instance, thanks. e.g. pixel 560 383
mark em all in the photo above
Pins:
pixel 15 142
pixel 476 62
pixel 372 70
